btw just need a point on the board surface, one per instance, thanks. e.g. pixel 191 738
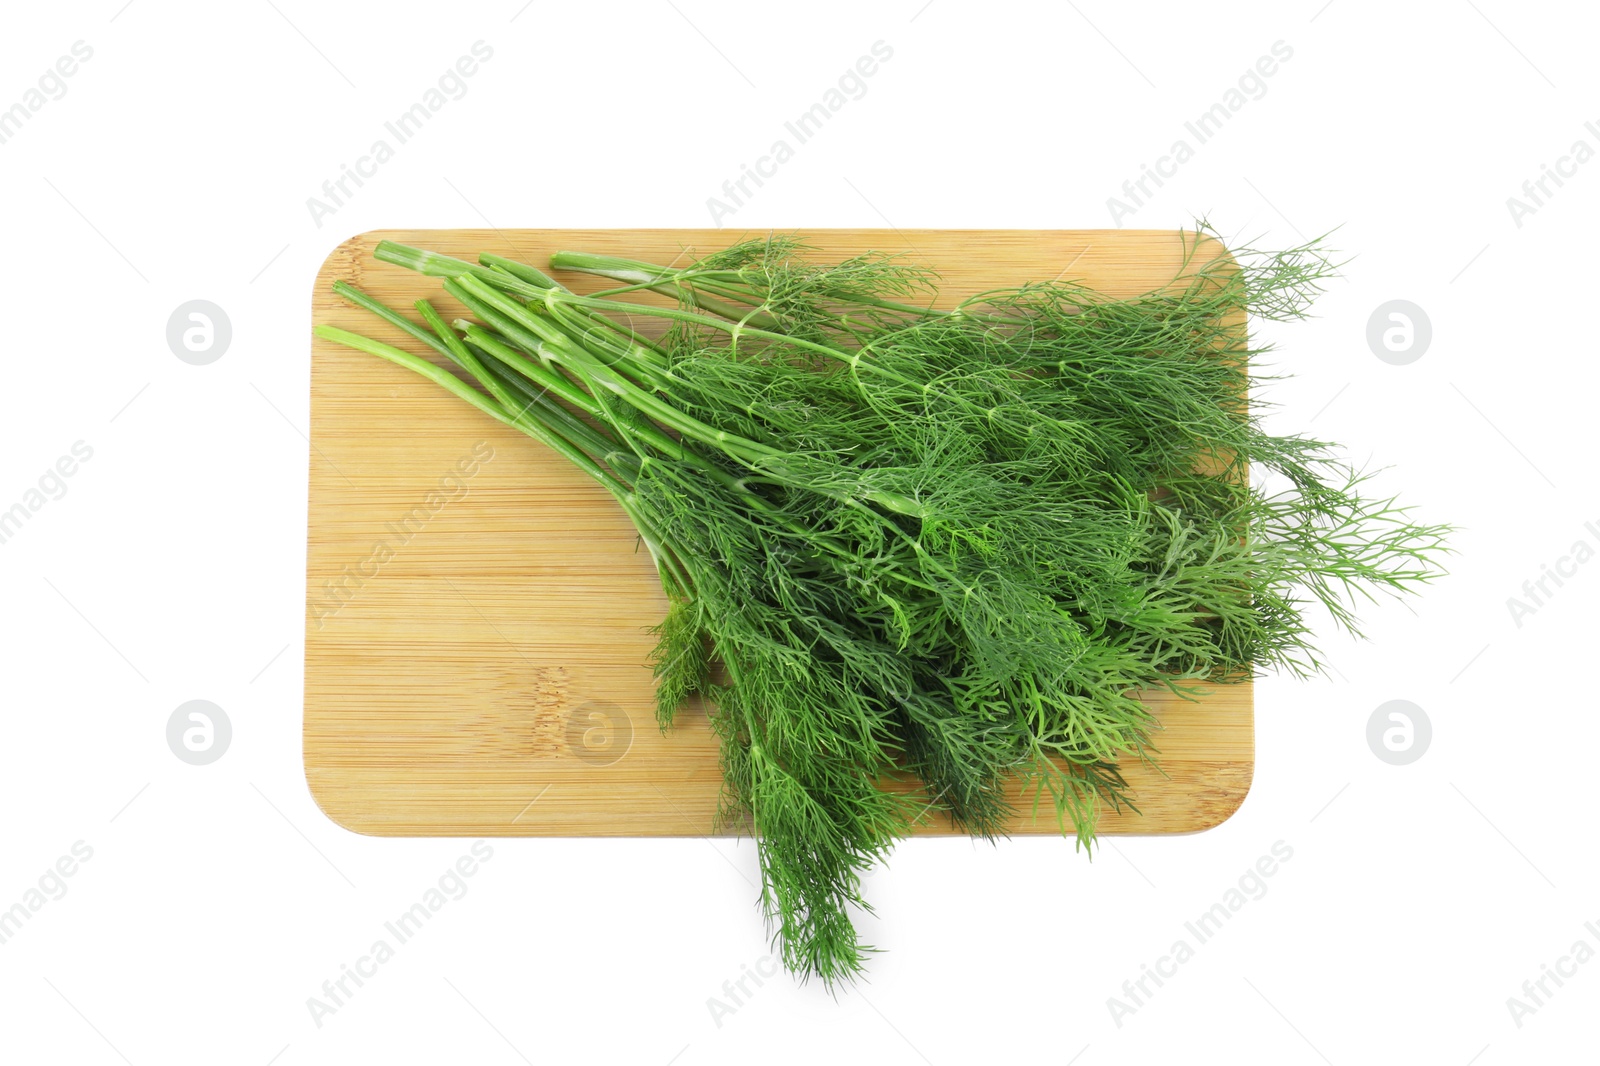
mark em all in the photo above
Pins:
pixel 476 639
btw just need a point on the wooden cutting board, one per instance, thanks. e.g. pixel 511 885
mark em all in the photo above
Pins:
pixel 476 608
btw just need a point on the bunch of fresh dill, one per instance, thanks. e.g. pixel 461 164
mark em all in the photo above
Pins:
pixel 899 541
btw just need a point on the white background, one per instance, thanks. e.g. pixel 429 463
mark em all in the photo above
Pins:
pixel 218 899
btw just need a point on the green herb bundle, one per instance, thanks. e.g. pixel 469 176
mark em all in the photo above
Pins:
pixel 909 543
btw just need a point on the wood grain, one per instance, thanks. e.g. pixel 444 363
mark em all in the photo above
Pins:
pixel 476 609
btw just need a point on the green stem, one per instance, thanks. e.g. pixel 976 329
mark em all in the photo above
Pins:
pixel 434 265
pixel 538 404
pixel 580 360
pixel 506 275
pixel 528 273
pixel 640 276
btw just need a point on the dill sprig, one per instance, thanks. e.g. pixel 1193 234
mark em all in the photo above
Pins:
pixel 940 546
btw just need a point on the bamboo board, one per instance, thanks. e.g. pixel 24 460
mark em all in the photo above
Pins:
pixel 476 608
